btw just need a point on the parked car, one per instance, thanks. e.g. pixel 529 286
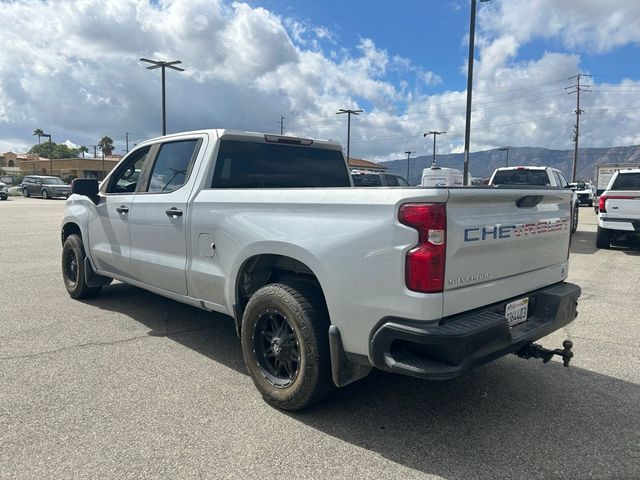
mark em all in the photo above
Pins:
pixel 539 177
pixel 45 186
pixel 4 193
pixel 619 208
pixel 585 192
pixel 325 281
pixel 377 179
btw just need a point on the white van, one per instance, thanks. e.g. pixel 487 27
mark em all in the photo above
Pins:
pixel 441 177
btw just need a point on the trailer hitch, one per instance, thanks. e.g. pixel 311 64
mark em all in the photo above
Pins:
pixel 533 350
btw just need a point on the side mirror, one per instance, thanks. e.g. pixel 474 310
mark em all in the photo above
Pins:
pixel 85 186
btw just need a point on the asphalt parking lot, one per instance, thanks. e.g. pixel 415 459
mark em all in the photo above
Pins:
pixel 132 385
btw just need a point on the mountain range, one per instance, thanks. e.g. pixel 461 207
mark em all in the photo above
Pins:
pixel 482 164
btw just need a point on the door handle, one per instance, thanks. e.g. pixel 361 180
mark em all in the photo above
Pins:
pixel 122 209
pixel 173 212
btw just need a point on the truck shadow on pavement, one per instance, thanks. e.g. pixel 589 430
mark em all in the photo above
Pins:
pixel 511 419
pixel 583 242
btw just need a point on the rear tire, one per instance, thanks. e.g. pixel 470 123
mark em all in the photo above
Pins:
pixel 73 273
pixel 603 238
pixel 285 345
pixel 574 220
pixel 25 192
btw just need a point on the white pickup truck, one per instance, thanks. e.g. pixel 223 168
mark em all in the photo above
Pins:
pixel 619 208
pixel 325 281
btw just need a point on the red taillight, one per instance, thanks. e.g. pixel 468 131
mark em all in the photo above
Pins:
pixel 601 201
pixel 425 263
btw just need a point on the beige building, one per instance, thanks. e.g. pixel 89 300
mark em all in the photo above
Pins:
pixel 24 164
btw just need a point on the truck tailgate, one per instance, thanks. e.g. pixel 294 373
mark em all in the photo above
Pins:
pixel 623 204
pixel 503 243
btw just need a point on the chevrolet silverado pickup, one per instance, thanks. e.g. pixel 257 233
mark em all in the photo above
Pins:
pixel 323 280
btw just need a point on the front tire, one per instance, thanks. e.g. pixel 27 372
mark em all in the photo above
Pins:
pixel 285 345
pixel 45 194
pixel 574 220
pixel 603 238
pixel 25 192
pixel 73 273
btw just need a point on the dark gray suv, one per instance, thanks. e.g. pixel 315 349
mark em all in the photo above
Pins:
pixel 44 186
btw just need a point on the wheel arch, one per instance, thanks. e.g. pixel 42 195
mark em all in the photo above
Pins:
pixel 70 228
pixel 264 268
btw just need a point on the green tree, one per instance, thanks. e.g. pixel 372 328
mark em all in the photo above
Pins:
pixel 106 145
pixel 39 132
pixel 55 150
pixel 83 149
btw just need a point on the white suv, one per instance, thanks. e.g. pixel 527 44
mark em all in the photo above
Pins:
pixel 619 208
pixel 536 176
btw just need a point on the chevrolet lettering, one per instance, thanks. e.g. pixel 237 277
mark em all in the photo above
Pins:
pixel 500 232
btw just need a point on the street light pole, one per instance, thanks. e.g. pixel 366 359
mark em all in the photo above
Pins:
pixel 162 65
pixel 467 127
pixel 50 152
pixel 408 155
pixel 506 161
pixel 434 133
pixel 349 113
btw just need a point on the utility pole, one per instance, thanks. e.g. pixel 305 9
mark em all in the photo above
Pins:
pixel 467 126
pixel 281 125
pixel 126 139
pixel 408 156
pixel 161 64
pixel 506 161
pixel 577 88
pixel 349 113
pixel 434 133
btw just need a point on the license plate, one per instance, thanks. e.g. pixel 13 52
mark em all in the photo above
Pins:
pixel 516 312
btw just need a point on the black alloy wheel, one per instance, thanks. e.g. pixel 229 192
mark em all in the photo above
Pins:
pixel 70 268
pixel 73 269
pixel 277 348
pixel 285 345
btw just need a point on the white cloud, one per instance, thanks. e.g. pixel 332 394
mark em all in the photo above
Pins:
pixel 71 67
pixel 598 25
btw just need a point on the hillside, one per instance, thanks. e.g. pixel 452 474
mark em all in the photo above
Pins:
pixel 482 164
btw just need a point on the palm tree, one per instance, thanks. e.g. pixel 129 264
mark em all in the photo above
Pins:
pixel 83 149
pixel 39 132
pixel 106 145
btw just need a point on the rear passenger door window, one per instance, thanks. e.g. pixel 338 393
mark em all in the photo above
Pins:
pixel 172 166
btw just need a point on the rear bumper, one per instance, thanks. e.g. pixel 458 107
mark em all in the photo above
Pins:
pixel 469 340
pixel 625 224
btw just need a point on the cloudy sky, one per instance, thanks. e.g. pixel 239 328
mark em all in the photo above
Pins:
pixel 72 68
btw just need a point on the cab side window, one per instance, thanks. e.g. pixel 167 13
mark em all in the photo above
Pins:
pixel 172 165
pixel 563 181
pixel 126 178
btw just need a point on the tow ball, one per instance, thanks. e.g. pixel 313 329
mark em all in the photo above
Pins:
pixel 533 350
